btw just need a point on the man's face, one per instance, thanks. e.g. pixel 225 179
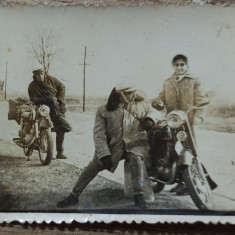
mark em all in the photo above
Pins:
pixel 39 77
pixel 130 96
pixel 180 67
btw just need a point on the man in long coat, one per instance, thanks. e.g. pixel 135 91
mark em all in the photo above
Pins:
pixel 119 134
pixel 45 89
pixel 180 92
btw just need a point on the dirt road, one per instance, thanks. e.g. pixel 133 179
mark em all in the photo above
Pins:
pixel 29 186
pixel 33 187
pixel 216 150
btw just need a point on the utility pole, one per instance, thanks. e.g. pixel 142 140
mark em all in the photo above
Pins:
pixel 6 82
pixel 84 82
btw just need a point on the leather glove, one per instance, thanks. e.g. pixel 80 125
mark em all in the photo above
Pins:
pixel 107 163
pixel 62 106
pixel 49 100
pixel 198 120
pixel 148 124
pixel 54 100
pixel 158 104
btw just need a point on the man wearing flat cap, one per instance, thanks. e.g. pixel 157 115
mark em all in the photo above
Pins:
pixel 119 134
pixel 45 89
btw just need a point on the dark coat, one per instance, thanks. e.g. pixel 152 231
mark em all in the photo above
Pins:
pixel 42 93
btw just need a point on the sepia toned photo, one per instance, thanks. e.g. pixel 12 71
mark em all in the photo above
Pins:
pixel 117 114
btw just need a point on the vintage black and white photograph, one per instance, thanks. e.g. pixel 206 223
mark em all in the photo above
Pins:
pixel 117 110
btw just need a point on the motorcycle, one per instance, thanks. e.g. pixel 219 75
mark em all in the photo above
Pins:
pixel 35 128
pixel 174 158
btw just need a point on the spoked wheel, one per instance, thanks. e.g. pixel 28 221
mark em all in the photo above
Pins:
pixel 157 186
pixel 198 187
pixel 45 147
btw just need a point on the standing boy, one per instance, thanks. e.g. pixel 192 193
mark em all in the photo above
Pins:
pixel 180 92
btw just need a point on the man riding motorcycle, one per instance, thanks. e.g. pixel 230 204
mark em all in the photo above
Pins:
pixel 45 89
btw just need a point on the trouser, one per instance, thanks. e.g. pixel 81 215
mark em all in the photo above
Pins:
pixel 88 174
pixel 138 173
pixel 60 142
pixel 137 170
pixel 61 125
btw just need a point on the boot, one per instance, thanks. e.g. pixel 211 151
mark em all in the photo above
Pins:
pixel 182 191
pixel 179 186
pixel 60 156
pixel 139 201
pixel 68 201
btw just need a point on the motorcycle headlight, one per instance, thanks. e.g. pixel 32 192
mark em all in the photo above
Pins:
pixel 175 119
pixel 44 110
pixel 181 136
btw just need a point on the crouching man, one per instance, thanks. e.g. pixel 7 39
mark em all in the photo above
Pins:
pixel 119 134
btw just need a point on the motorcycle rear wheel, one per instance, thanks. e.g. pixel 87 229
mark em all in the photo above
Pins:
pixel 197 187
pixel 45 147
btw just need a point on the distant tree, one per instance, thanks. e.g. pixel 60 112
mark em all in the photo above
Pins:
pixel 45 50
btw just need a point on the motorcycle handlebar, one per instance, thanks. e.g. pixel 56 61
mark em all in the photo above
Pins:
pixel 197 107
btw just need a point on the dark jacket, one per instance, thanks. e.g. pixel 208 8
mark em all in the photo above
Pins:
pixel 42 93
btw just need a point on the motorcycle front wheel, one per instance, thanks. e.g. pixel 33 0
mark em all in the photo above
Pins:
pixel 197 187
pixel 45 147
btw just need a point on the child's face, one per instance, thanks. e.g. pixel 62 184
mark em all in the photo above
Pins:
pixel 180 67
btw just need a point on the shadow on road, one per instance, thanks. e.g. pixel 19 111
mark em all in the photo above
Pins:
pixel 7 201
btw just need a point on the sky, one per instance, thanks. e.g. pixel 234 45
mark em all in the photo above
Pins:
pixel 132 44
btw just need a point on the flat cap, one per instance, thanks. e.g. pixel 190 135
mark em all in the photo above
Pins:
pixel 124 87
pixel 37 71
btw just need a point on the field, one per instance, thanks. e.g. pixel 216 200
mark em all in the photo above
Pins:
pixel 218 116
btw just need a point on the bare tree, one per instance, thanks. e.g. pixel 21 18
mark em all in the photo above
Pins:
pixel 45 50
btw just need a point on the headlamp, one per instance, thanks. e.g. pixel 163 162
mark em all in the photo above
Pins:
pixel 181 136
pixel 44 110
pixel 175 119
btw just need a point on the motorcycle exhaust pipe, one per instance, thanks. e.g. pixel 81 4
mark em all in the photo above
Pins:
pixel 25 115
pixel 36 129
